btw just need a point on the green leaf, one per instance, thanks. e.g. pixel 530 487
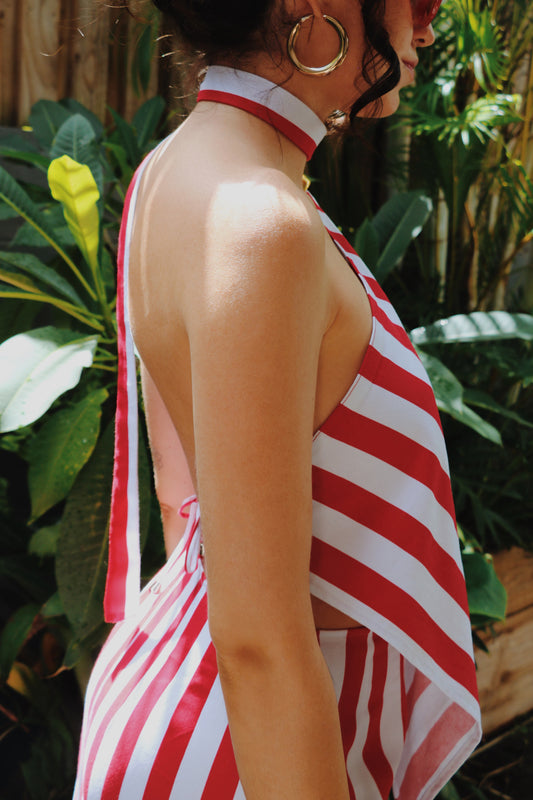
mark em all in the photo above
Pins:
pixel 448 792
pixel 127 138
pixel 366 243
pixel 30 264
pixel 487 598
pixel 475 327
pixel 75 107
pixel 46 117
pixel 76 138
pixel 14 196
pixel 60 449
pixel 43 542
pixel 82 546
pixel 37 367
pixel 449 396
pixel 475 397
pixel 147 118
pixel 74 186
pixel 14 635
pixel 397 223
pixel 26 156
pixel 81 560
pixel 53 606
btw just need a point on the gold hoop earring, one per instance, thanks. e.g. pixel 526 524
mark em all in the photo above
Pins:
pixel 327 68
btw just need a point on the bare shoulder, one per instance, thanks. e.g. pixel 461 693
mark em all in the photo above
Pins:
pixel 263 235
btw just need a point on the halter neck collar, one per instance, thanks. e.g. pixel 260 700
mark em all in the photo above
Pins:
pixel 266 100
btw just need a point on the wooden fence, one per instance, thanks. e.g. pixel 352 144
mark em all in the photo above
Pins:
pixel 72 48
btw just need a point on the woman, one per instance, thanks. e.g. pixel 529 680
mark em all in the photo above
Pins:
pixel 311 640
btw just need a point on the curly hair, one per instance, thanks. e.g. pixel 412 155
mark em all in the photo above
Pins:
pixel 210 29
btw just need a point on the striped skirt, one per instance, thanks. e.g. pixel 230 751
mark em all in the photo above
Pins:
pixel 155 724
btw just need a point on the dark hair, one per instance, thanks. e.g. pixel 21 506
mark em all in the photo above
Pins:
pixel 212 28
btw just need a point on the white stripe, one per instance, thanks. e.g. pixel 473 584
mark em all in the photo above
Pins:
pixel 111 735
pixel 372 619
pixel 392 485
pixel 365 785
pixel 396 566
pixel 158 721
pixel 451 764
pixel 401 356
pixel 124 636
pixel 268 94
pixel 428 709
pixel 391 726
pixel 137 668
pixel 203 747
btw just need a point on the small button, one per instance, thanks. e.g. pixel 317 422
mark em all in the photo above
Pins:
pixel 155 587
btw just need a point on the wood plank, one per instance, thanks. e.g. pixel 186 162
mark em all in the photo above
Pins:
pixel 505 674
pixel 90 55
pixel 515 570
pixel 8 61
pixel 39 53
pixel 135 99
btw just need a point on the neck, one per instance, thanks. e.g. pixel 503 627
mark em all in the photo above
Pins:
pixel 267 113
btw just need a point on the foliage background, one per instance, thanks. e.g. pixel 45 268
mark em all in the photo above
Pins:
pixel 452 242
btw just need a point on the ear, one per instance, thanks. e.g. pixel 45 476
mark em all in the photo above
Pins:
pixel 302 8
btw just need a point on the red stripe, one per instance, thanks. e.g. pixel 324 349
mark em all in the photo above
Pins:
pixel 295 134
pixel 128 651
pixel 449 728
pixel 396 606
pixel 115 590
pixel 356 650
pixel 392 325
pixel 392 447
pixel 404 384
pixel 392 523
pixel 170 754
pixel 134 724
pixel 373 753
pixel 223 777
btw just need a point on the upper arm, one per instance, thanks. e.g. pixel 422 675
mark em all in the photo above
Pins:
pixel 255 324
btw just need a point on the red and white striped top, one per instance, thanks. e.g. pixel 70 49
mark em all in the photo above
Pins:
pixel 385 549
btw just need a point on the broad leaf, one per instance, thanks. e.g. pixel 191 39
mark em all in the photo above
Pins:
pixel 46 117
pixel 76 138
pixel 75 107
pixel 475 397
pixel 127 139
pixel 14 635
pixel 81 560
pixel 475 327
pixel 74 186
pixel 487 598
pixel 31 265
pixel 15 197
pixel 60 449
pixel 449 397
pixel 397 223
pixel 27 157
pixel 147 118
pixel 82 546
pixel 37 367
pixel 43 541
pixel 366 243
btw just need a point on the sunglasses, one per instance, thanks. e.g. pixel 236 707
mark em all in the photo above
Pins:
pixel 425 11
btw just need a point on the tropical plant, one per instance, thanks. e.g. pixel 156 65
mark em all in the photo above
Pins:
pixel 470 116
pixel 56 409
